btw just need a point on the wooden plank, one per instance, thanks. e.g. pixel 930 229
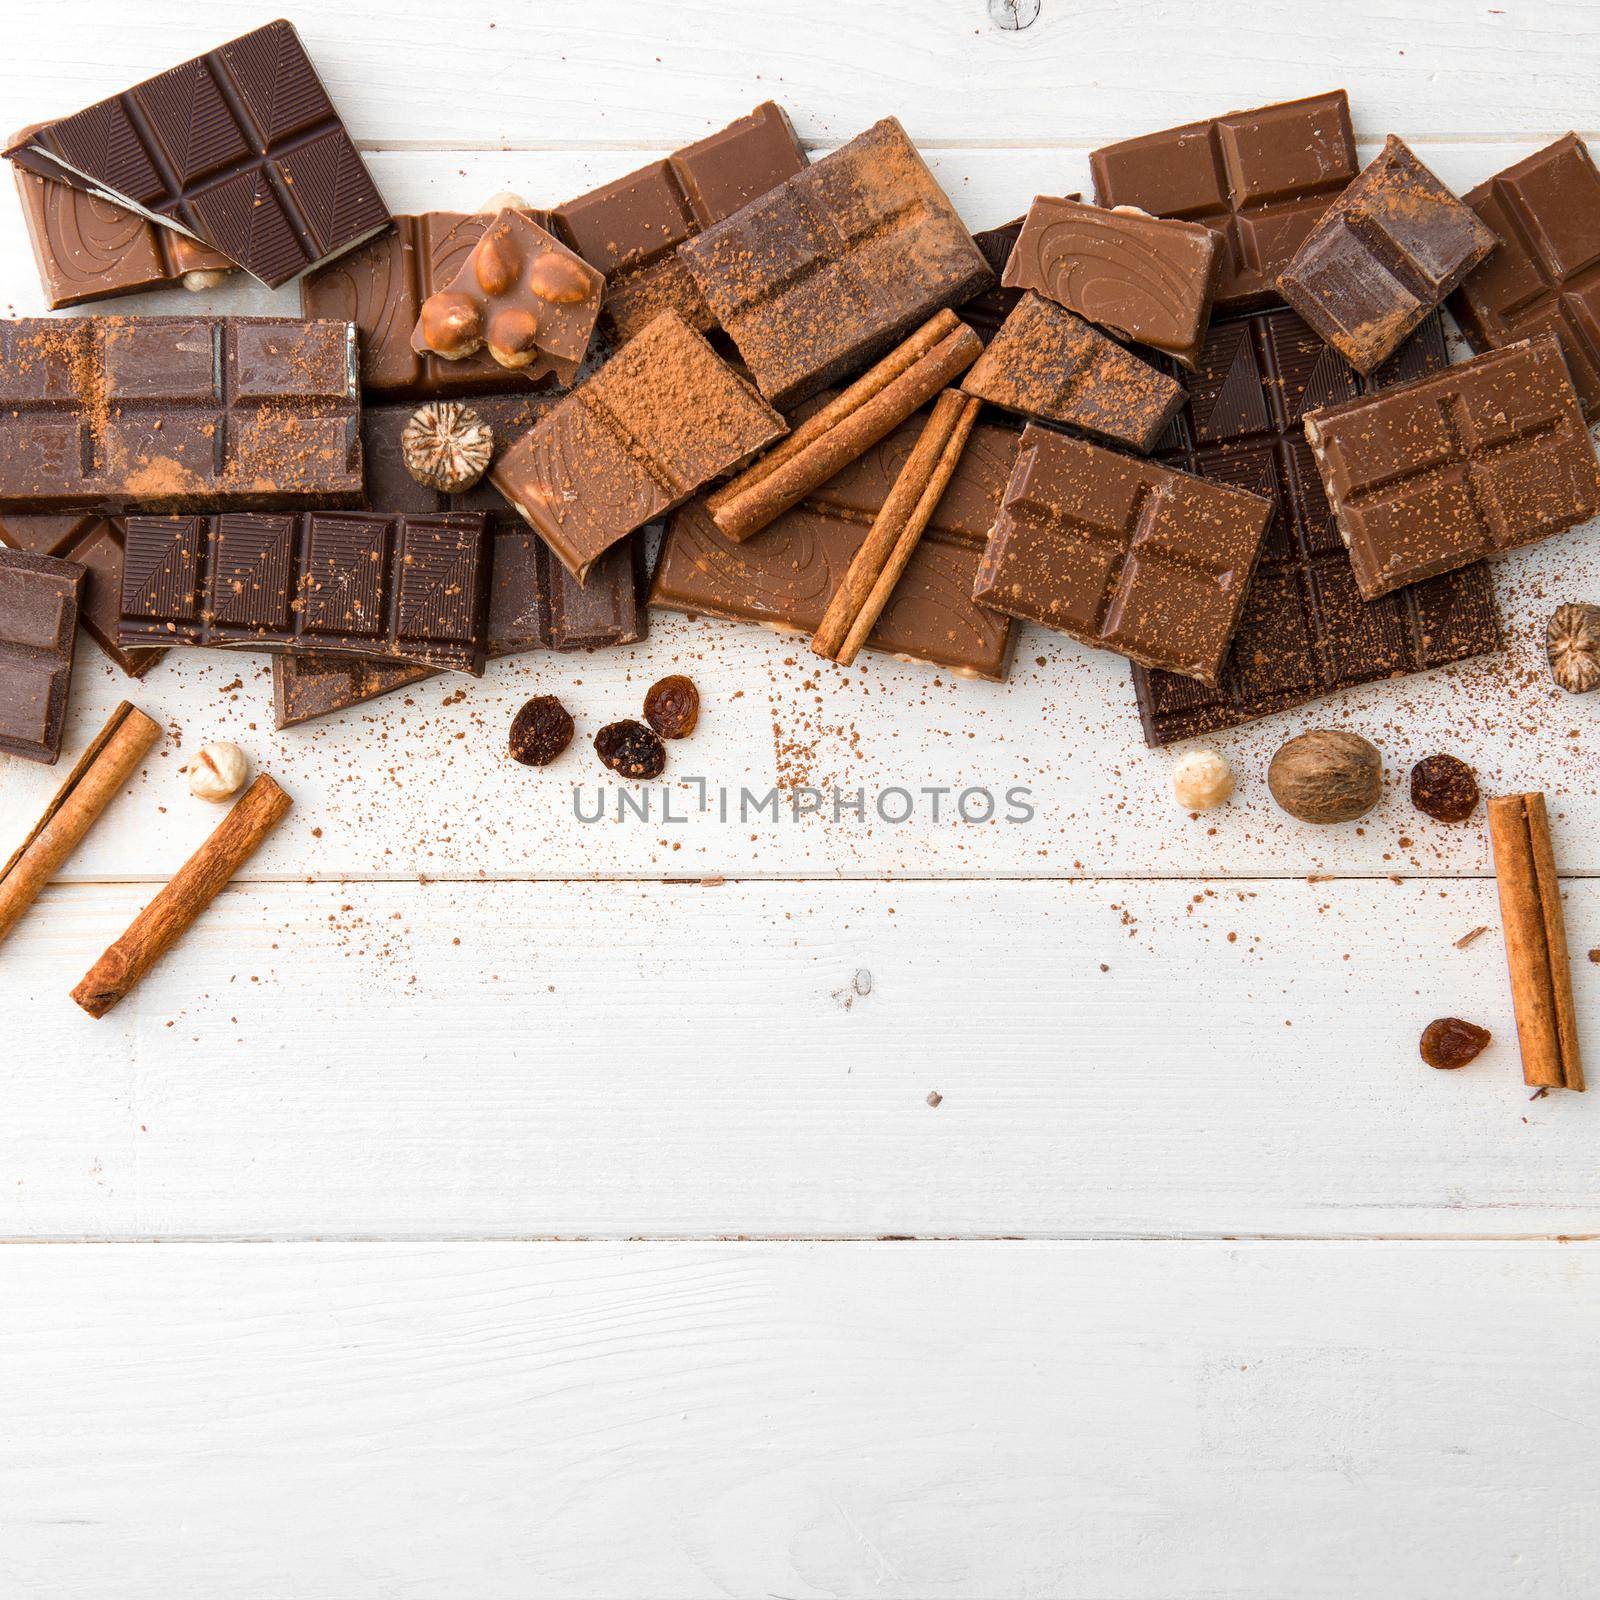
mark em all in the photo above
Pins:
pixel 405 73
pixel 1152 1421
pixel 622 1060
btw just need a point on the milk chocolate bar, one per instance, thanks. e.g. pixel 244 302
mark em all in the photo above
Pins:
pixel 1045 362
pixel 1472 462
pixel 534 602
pixel 1544 275
pixel 1305 631
pixel 630 229
pixel 1383 256
pixel 89 249
pixel 663 417
pixel 1145 278
pixel 786 575
pixel 240 148
pixel 1124 554
pixel 177 412
pixel 94 542
pixel 1261 179
pixel 412 589
pixel 821 275
pixel 38 631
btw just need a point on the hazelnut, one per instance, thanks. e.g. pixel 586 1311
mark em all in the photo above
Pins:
pixel 496 260
pixel 218 771
pixel 1202 780
pixel 1326 776
pixel 451 324
pixel 1572 638
pixel 504 201
pixel 556 277
pixel 512 337
pixel 447 446
pixel 201 279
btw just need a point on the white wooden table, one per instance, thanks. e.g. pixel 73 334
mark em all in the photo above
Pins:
pixel 480 1203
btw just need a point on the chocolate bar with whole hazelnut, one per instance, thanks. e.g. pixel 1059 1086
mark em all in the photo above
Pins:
pixel 1123 554
pixel 177 413
pixel 38 633
pixel 239 148
pixel 819 276
pixel 662 418
pixel 632 227
pixel 785 577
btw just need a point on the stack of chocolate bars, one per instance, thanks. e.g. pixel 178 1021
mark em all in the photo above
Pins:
pixel 1207 421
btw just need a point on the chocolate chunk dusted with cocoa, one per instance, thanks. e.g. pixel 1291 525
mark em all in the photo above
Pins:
pixel 632 227
pixel 663 417
pixel 1445 788
pixel 819 276
pixel 631 750
pixel 1151 279
pixel 1047 363
pixel 1471 462
pixel 540 731
pixel 38 633
pixel 1123 554
pixel 1544 274
pixel 672 706
pixel 1449 1043
pixel 1384 255
pixel 1260 179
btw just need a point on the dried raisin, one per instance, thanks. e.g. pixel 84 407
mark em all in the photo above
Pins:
pixel 630 749
pixel 1450 1043
pixel 540 731
pixel 672 707
pixel 1444 788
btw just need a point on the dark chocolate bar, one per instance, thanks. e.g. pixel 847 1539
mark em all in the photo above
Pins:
pixel 241 148
pixel 1545 273
pixel 632 227
pixel 177 413
pixel 94 542
pixel 1471 462
pixel 89 249
pixel 413 589
pixel 1123 554
pixel 1383 256
pixel 986 311
pixel 824 273
pixel 1047 363
pixel 663 417
pixel 786 575
pixel 1305 631
pixel 534 602
pixel 1260 178
pixel 38 632
pixel 1145 278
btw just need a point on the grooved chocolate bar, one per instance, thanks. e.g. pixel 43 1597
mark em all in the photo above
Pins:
pixel 1383 255
pixel 1545 273
pixel 1474 461
pixel 177 412
pixel 93 542
pixel 240 148
pixel 631 228
pixel 362 583
pixel 1145 278
pixel 38 632
pixel 1045 362
pixel 1123 554
pixel 1261 179
pixel 822 274
pixel 89 249
pixel 534 602
pixel 786 575
pixel 1305 631
pixel 664 416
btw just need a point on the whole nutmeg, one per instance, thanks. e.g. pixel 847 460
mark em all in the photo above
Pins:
pixel 1202 780
pixel 1326 776
pixel 560 279
pixel 447 446
pixel 1572 638
pixel 496 260
pixel 512 336
pixel 199 279
pixel 219 770
pixel 451 324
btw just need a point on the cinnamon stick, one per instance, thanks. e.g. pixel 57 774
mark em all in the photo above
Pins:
pixel 1536 941
pixel 195 885
pixel 90 787
pixel 847 427
pixel 875 568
